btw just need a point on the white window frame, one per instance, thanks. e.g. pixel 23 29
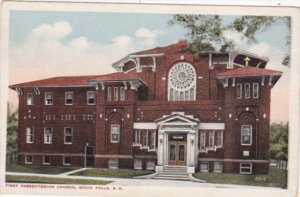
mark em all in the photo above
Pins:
pixel 46 163
pixel 138 164
pixel 26 159
pixel 109 93
pixel 122 93
pixel 88 97
pixel 137 136
pixel 113 163
pixel 27 99
pixel 247 90
pixel 255 90
pixel 46 98
pixel 117 133
pixel 65 135
pixel 219 170
pixel 242 134
pixel 220 138
pixel 50 135
pixel 239 91
pixel 152 140
pixel 243 167
pixel 29 135
pixel 201 170
pixel 64 161
pixel 145 138
pixel 202 140
pixel 211 139
pixel 72 93
pixel 116 93
pixel 150 165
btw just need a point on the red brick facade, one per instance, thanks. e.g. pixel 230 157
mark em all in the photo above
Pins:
pixel 131 121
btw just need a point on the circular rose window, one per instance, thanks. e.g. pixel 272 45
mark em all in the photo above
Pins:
pixel 182 78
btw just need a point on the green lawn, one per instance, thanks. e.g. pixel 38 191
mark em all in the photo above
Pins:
pixel 33 179
pixel 276 178
pixel 115 173
pixel 38 169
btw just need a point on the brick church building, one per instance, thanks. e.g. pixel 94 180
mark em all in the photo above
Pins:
pixel 209 112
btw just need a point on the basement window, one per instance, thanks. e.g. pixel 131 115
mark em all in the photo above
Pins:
pixel 46 160
pixel 67 161
pixel 28 159
pixel 150 165
pixel 113 163
pixel 204 167
pixel 138 164
pixel 245 168
pixel 218 167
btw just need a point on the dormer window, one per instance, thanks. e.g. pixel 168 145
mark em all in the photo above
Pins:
pixel 182 82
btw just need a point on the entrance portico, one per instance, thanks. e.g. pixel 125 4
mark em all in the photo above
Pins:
pixel 177 141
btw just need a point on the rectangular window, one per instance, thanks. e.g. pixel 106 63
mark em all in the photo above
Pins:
pixel 29 135
pixel 116 93
pixel 218 167
pixel 145 138
pixel 138 164
pixel 247 90
pixel 28 159
pixel 255 90
pixel 204 167
pixel 109 93
pixel 220 139
pixel 246 135
pixel 66 161
pixel 48 135
pixel 115 133
pixel 69 98
pixel 122 93
pixel 211 138
pixel 113 163
pixel 91 97
pixel 137 137
pixel 48 98
pixel 68 135
pixel 245 168
pixel 153 140
pixel 202 140
pixel 239 91
pixel 46 160
pixel 150 165
pixel 30 99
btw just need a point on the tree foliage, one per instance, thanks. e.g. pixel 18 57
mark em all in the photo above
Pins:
pixel 279 141
pixel 206 32
pixel 12 134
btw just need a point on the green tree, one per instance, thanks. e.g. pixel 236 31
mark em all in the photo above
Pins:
pixel 206 32
pixel 279 141
pixel 12 134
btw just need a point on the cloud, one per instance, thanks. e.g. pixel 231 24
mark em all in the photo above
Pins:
pixel 236 37
pixel 146 36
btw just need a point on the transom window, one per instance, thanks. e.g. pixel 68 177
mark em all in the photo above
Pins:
pixel 246 135
pixel 48 135
pixel 115 133
pixel 48 98
pixel 91 97
pixel 182 82
pixel 68 135
pixel 29 135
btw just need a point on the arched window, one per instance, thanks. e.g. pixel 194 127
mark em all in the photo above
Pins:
pixel 182 82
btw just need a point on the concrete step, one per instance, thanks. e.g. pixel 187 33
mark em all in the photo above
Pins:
pixel 172 178
pixel 167 172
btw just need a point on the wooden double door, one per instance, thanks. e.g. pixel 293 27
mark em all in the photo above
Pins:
pixel 177 153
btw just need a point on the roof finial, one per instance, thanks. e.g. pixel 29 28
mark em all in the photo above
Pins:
pixel 247 60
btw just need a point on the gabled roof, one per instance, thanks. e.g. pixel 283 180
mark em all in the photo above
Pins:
pixel 178 117
pixel 58 81
pixel 114 77
pixel 249 71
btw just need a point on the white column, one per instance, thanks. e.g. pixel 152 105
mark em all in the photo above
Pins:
pixel 160 148
pixel 191 140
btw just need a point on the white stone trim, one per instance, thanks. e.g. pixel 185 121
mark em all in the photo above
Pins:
pixel 145 125
pixel 210 126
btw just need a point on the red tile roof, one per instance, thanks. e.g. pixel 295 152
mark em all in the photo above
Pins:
pixel 75 80
pixel 249 71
